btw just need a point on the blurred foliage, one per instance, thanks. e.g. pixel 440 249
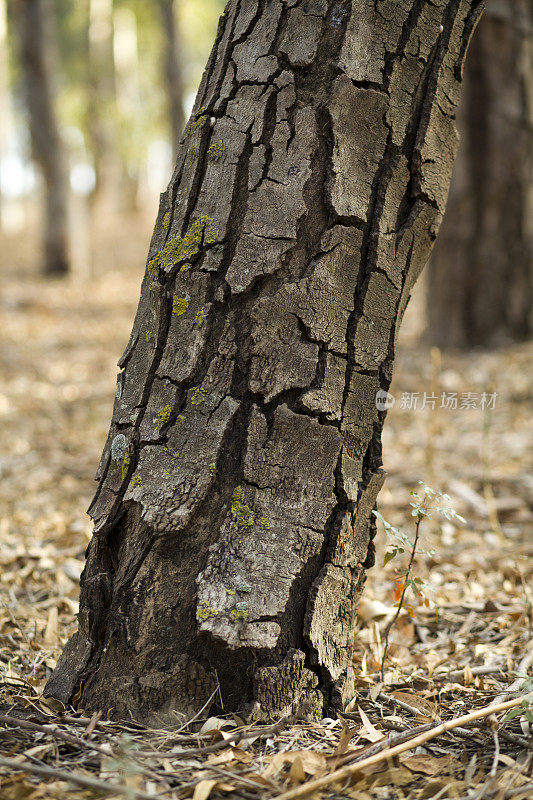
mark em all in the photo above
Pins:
pixel 198 20
pixel 75 74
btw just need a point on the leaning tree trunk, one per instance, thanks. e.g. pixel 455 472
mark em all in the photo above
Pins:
pixel 46 142
pixel 172 70
pixel 481 273
pixel 233 514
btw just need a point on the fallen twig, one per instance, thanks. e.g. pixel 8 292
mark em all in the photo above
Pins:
pixel 198 713
pixel 463 732
pixel 402 704
pixel 496 756
pixel 346 772
pixel 78 780
pixel 522 669
pixel 352 756
pixel 53 731
pixel 526 790
pixel 417 713
pixel 457 674
pixel 233 738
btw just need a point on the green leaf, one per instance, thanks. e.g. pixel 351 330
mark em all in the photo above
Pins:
pixel 514 712
pixel 383 521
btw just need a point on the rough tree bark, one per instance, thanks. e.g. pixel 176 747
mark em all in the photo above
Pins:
pixel 233 515
pixel 172 71
pixel 480 289
pixel 45 139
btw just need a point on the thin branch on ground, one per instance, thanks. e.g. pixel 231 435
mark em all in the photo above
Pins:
pixel 347 772
pixel 106 787
pixel 54 732
pixel 234 738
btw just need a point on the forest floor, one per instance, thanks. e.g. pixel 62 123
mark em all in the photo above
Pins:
pixel 458 654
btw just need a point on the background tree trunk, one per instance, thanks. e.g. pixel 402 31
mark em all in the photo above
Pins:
pixel 172 70
pixel 128 101
pixel 102 105
pixel 46 142
pixel 6 122
pixel 233 514
pixel 481 275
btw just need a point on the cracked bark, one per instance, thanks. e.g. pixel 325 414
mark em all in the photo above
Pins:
pixel 233 514
pixel 481 273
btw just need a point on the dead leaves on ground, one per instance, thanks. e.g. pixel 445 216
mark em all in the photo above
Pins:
pixel 61 343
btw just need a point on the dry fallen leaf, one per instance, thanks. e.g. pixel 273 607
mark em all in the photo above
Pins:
pixel 345 738
pixel 369 609
pixel 454 787
pixel 425 708
pixel 230 754
pixel 216 724
pixel 370 732
pixel 241 755
pixel 395 776
pixel 215 759
pixel 428 765
pixel 51 632
pixel 313 762
pixel 297 772
pixel 203 789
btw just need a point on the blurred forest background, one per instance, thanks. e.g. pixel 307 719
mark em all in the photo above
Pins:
pixel 93 98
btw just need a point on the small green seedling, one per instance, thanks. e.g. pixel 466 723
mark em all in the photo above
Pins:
pixel 424 503
pixel 525 709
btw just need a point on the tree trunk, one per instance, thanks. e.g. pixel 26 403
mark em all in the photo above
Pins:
pixel 6 120
pixel 128 102
pixel 172 70
pixel 233 515
pixel 46 142
pixel 481 274
pixel 101 104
